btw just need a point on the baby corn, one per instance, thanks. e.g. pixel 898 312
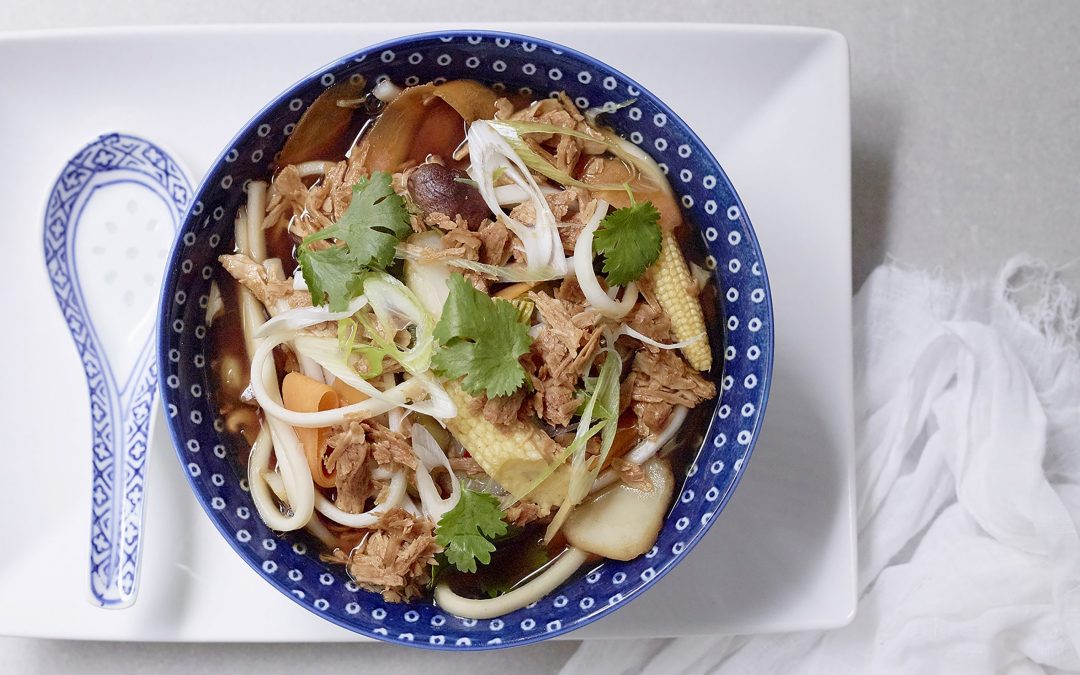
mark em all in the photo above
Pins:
pixel 515 455
pixel 676 291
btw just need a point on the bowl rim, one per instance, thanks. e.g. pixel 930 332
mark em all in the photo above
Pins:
pixel 169 284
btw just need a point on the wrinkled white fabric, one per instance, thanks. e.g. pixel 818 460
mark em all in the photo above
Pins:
pixel 968 484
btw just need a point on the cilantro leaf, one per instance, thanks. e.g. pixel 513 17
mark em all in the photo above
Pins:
pixel 629 239
pixel 375 221
pixel 465 531
pixel 367 232
pixel 481 340
pixel 331 276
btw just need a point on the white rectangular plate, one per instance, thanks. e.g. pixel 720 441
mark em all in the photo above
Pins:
pixel 772 104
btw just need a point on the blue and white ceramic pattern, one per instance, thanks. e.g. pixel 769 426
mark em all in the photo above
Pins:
pixel 509 63
pixel 108 223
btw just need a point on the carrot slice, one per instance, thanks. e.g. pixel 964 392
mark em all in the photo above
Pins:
pixel 348 395
pixel 303 394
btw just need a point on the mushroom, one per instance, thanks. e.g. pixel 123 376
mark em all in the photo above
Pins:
pixel 436 188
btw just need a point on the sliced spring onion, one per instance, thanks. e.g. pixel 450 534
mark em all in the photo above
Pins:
pixel 650 176
pixel 604 403
pixel 508 195
pixel 311 369
pixel 305 317
pixel 647 167
pixel 410 506
pixel 611 106
pixel 431 457
pixel 586 429
pixel 627 330
pixel 488 152
pixel 396 308
pixel 514 134
pixel 512 273
pixel 324 351
pixel 427 279
pixel 579 442
pixel 394 496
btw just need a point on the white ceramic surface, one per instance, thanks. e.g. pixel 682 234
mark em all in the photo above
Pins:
pixel 125 232
pixel 771 103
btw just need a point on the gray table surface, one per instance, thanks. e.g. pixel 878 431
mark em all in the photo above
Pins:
pixel 966 150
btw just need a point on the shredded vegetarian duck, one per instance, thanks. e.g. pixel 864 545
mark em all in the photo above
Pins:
pixel 394 557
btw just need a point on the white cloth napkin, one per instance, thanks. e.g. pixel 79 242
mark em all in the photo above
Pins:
pixel 968 479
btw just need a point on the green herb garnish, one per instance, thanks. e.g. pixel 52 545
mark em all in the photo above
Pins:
pixel 465 531
pixel 629 240
pixel 331 276
pixel 368 232
pixel 480 340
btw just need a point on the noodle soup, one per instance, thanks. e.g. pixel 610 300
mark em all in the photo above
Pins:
pixel 461 342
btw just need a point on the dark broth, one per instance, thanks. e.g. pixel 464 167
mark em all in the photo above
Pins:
pixel 230 368
pixel 515 560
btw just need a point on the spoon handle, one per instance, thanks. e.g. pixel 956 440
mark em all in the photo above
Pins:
pixel 118 582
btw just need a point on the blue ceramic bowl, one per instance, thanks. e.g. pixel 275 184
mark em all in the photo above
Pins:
pixel 507 62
